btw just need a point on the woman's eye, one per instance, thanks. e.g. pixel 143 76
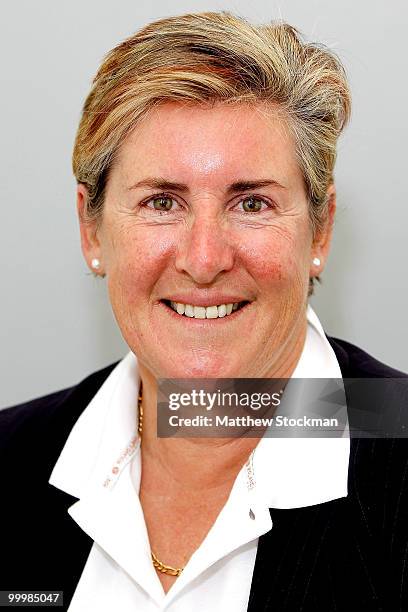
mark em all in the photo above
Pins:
pixel 252 204
pixel 162 203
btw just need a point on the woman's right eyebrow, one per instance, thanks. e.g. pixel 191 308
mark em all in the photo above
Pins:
pixel 159 183
pixel 236 187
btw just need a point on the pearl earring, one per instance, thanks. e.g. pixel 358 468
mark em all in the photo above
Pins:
pixel 95 263
pixel 316 261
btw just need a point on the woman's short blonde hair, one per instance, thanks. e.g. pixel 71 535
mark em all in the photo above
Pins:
pixel 215 57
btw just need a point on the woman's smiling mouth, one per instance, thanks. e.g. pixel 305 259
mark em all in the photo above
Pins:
pixel 216 311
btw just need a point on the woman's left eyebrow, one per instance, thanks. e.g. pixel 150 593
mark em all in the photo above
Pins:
pixel 236 187
pixel 250 185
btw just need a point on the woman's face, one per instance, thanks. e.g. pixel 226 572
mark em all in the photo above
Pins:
pixel 206 206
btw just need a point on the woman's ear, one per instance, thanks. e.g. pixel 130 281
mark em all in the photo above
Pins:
pixel 88 228
pixel 321 242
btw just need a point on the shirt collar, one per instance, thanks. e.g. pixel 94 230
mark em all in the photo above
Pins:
pixel 103 436
pixel 298 472
pixel 289 472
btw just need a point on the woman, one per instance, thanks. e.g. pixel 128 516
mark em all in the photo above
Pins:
pixel 204 159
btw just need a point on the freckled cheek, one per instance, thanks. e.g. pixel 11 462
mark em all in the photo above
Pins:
pixel 136 265
pixel 274 261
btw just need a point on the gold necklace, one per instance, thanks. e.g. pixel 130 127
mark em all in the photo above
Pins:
pixel 161 567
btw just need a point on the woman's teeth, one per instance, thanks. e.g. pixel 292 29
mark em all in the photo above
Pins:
pixel 200 312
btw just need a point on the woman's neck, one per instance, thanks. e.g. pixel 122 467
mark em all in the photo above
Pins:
pixel 194 464
pixel 189 463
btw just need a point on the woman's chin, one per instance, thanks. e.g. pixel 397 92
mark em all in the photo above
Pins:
pixel 203 367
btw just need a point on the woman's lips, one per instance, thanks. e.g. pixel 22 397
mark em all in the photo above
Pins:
pixel 215 311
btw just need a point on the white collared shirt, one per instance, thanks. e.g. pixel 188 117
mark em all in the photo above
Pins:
pixel 101 465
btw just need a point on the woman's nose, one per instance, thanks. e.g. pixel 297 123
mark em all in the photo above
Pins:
pixel 205 251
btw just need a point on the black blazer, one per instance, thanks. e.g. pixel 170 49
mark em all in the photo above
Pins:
pixel 347 554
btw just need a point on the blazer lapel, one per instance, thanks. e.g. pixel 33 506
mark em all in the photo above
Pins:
pixel 319 557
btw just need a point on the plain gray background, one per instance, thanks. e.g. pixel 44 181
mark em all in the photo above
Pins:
pixel 56 325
